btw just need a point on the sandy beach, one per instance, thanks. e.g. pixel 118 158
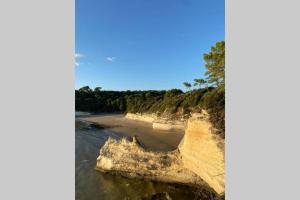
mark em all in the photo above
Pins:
pixel 156 140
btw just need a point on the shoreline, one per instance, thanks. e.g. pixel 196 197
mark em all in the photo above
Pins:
pixel 153 139
pixel 199 155
pixel 89 139
pixel 159 123
pixel 199 149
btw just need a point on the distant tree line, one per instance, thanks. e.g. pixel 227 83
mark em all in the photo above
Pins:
pixel 209 95
pixel 96 100
pixel 151 101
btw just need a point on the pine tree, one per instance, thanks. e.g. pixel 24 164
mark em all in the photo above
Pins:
pixel 215 64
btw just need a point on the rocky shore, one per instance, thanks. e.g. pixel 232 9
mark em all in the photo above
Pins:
pixel 130 159
pixel 198 160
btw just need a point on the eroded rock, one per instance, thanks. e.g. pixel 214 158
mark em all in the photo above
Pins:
pixel 203 152
pixel 131 160
pixel 199 159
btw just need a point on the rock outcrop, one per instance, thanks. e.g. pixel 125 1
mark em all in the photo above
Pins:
pixel 199 159
pixel 131 160
pixel 203 152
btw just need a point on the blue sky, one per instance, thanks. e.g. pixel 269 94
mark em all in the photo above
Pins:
pixel 144 44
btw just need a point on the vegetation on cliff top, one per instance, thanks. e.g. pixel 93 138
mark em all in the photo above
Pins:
pixel 210 95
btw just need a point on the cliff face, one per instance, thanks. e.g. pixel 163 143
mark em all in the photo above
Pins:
pixel 203 152
pixel 162 123
pixel 142 117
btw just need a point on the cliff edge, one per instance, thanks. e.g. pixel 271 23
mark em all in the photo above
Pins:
pixel 203 151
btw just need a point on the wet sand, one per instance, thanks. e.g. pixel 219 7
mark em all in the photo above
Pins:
pixel 153 139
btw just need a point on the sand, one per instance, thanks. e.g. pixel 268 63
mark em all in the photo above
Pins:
pixel 155 140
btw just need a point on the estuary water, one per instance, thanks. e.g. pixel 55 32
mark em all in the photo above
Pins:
pixel 91 132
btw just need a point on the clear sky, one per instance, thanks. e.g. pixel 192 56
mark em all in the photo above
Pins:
pixel 144 44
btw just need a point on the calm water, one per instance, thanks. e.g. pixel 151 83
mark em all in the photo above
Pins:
pixel 91 184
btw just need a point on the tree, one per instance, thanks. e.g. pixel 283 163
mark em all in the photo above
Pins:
pixel 86 89
pixel 215 64
pixel 97 89
pixel 199 82
pixel 173 92
pixel 187 85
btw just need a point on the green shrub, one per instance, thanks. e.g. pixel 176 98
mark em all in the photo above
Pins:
pixel 214 103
